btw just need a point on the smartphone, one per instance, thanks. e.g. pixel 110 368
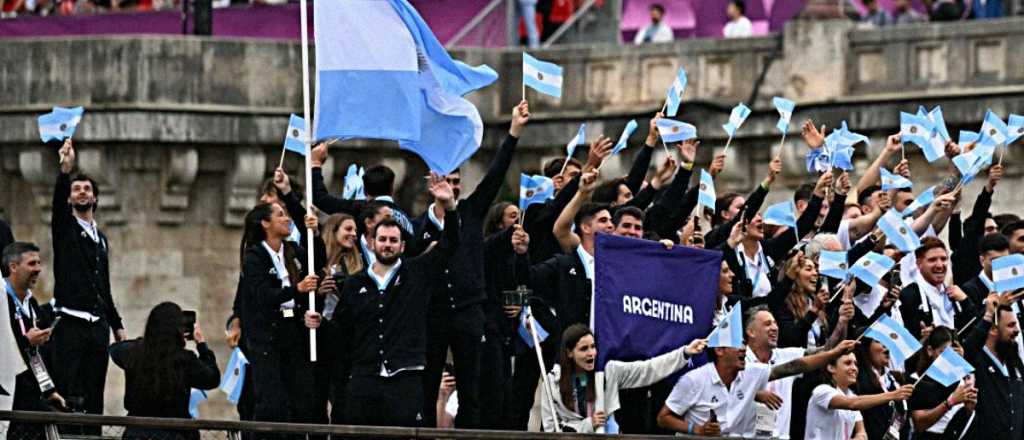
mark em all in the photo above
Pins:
pixel 55 321
pixel 188 324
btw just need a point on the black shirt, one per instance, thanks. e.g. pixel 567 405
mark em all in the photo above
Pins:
pixel 1000 409
pixel 929 394
pixel 196 372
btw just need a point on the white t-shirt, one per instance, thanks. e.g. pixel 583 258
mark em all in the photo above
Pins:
pixel 782 387
pixel 741 27
pixel 701 390
pixel 824 423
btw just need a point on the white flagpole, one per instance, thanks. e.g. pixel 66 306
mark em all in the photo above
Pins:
pixel 599 398
pixel 303 24
pixel 546 393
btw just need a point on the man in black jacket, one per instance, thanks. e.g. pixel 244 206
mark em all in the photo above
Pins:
pixel 928 302
pixel 81 290
pixel 385 308
pixel 456 318
pixel 998 372
pixel 990 247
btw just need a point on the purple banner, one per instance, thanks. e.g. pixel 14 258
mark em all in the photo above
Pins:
pixel 649 300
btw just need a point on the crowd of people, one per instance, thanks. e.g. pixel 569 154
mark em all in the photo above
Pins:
pixel 418 318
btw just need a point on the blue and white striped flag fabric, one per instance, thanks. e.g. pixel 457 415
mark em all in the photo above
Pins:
pixel 353 188
pixel 525 333
pixel 872 267
pixel 294 234
pixel 916 129
pixel 898 232
pixel 781 214
pixel 833 264
pixel 706 192
pixel 234 376
pixel 785 108
pixel 675 93
pixel 736 118
pixel 892 180
pixel 892 335
pixel 949 368
pixel 993 129
pixel 542 76
pixel 938 121
pixel 972 162
pixel 534 189
pixel 579 139
pixel 675 131
pixel 295 136
pixel 936 146
pixel 1014 128
pixel 845 137
pixel 729 331
pixel 195 398
pixel 967 136
pixel 624 137
pixel 922 200
pixel 1008 272
pixel 60 123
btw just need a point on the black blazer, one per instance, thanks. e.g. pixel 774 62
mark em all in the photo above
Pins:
pixel 917 315
pixel 261 296
pixel 976 290
pixel 197 371
pixel 561 282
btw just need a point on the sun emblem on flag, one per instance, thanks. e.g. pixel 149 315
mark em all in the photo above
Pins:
pixel 237 372
pixel 1020 129
pixel 529 193
pixel 867 264
pixel 63 127
pixel 675 129
pixel 540 76
pixel 903 230
pixel 724 324
pixel 295 132
pixel 894 336
pixel 1013 271
pixel 992 131
pixel 842 266
pixel 703 187
pixel 913 130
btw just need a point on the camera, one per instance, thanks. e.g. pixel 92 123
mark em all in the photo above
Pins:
pixel 516 297
pixel 188 324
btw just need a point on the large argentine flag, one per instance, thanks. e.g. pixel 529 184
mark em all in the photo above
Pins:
pixel 892 335
pixel 403 86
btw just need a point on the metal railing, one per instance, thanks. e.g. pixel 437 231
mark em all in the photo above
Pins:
pixel 44 426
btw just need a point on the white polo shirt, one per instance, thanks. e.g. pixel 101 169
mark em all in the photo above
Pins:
pixel 824 423
pixel 782 387
pixel 701 390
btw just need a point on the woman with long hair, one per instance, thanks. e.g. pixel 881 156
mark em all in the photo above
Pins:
pixel 573 378
pixel 273 292
pixel 344 258
pixel 160 372
pixel 341 237
pixel 834 411
pixel 940 412
pixel 874 377
pixel 500 217
pixel 802 317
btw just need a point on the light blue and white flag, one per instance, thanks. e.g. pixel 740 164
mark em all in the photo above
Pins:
pixel 195 398
pixel 234 376
pixel 846 138
pixel 898 231
pixel 534 189
pixel 294 234
pixel 892 335
pixel 675 131
pixel 972 162
pixel 922 200
pixel 624 137
pixel 542 76
pixel 675 93
pixel 949 368
pixel 729 331
pixel 706 192
pixel 785 108
pixel 993 129
pixel 295 136
pixel 938 122
pixel 525 333
pixel 833 264
pixel 967 136
pixel 405 87
pixel 781 214
pixel 919 130
pixel 1008 272
pixel 1014 128
pixel 60 123
pixel 579 139
pixel 872 267
pixel 736 118
pixel 353 188
pixel 892 180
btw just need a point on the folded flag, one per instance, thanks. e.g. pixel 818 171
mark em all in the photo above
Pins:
pixel 1014 129
pixel 785 108
pixel 842 158
pixel 60 123
pixel 898 231
pixel 195 398
pixel 845 137
pixel 937 120
pixel 893 181
pixel 1008 272
pixel 675 131
pixel 736 118
pixel 706 194
pixel 892 335
pixel 405 87
pixel 967 137
pixel 579 139
pixel 542 76
pixel 924 199
pixel 833 264
pixel 949 368
pixel 525 333
pixel 624 137
pixel 781 214
pixel 534 189
pixel 675 93
pixel 353 188
pixel 234 376
pixel 729 331
pixel 972 162
pixel 872 267
pixel 994 129
pixel 919 130
pixel 295 136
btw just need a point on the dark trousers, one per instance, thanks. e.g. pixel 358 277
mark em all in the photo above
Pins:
pixel 286 384
pixel 79 363
pixel 27 398
pixel 463 331
pixel 386 401
pixel 495 380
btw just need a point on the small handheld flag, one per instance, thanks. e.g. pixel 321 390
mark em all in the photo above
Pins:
pixel 542 76
pixel 295 137
pixel 781 214
pixel 938 122
pixel 993 129
pixel 525 334
pixel 924 199
pixel 892 335
pixel 234 376
pixel 195 398
pixel 918 130
pixel 898 231
pixel 60 123
pixel 706 194
pixel 353 189
pixel 949 368
pixel 624 137
pixel 1014 129
pixel 534 189
pixel 785 108
pixel 967 137
pixel 579 139
pixel 893 181
pixel 833 264
pixel 736 118
pixel 675 93
pixel 1008 272
pixel 872 267
pixel 729 331
pixel 675 131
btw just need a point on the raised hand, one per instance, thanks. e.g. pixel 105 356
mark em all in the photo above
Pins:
pixel 813 137
pixel 441 190
pixel 520 116
pixel 903 168
pixel 893 144
pixel 67 156
pixel 825 181
pixel 282 182
pixel 717 165
pixel 664 173
pixel 588 182
pixel 318 155
pixel 995 173
pixel 652 130
pixel 688 149
pixel 844 184
pixel 520 240
pixel 599 150
pixel 774 168
pixel 695 347
pixel 737 234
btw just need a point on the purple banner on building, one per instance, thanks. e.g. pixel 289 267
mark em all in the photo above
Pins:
pixel 649 300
